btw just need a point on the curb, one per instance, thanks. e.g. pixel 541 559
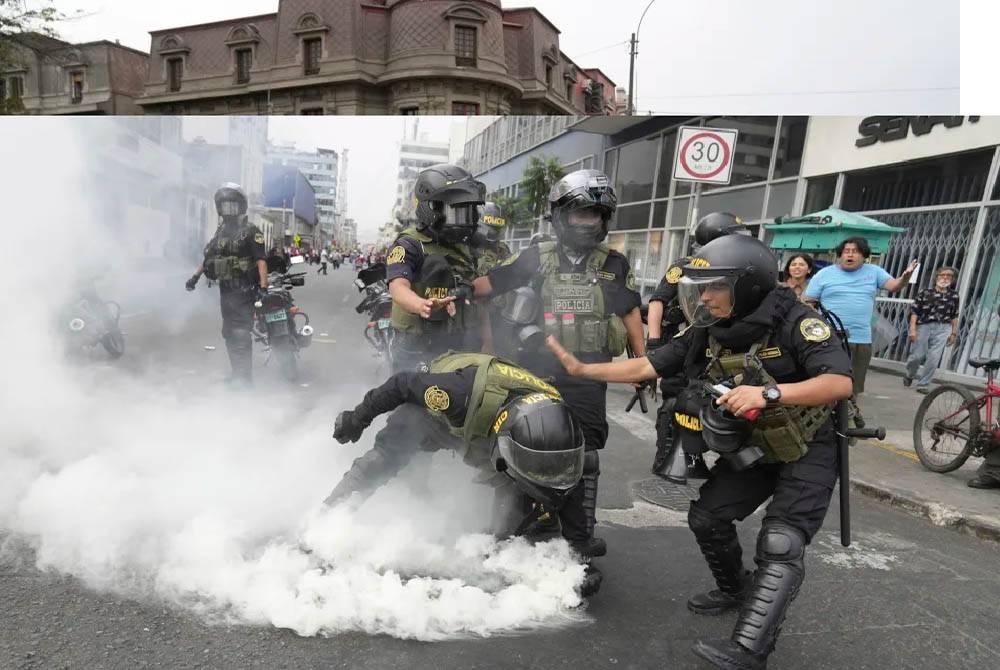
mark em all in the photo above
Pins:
pixel 983 528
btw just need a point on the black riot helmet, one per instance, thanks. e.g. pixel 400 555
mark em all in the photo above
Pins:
pixel 729 435
pixel 581 204
pixel 715 225
pixel 491 226
pixel 727 279
pixel 231 200
pixel 539 445
pixel 448 200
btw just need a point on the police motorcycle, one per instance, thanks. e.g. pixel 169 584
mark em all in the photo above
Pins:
pixel 90 321
pixel 279 324
pixel 377 303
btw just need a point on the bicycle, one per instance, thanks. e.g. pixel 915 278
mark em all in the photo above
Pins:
pixel 944 439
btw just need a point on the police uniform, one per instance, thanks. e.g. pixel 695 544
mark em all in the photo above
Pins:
pixel 455 406
pixel 782 341
pixel 583 303
pixel 231 259
pixel 433 268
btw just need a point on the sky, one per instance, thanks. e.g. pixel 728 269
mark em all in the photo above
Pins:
pixel 373 144
pixel 711 56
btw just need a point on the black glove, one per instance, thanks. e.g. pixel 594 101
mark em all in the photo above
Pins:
pixel 462 293
pixel 192 282
pixel 654 343
pixel 348 427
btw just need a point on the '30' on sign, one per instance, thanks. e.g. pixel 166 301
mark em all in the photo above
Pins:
pixel 705 154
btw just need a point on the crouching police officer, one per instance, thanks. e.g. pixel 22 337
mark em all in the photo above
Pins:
pixel 778 359
pixel 499 417
pixel 665 319
pixel 235 258
pixel 584 293
pixel 428 262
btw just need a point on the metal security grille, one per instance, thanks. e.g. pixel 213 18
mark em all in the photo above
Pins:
pixel 980 321
pixel 312 48
pixel 935 238
pixel 243 59
pixel 465 46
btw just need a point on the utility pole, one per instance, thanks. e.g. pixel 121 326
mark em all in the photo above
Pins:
pixel 633 50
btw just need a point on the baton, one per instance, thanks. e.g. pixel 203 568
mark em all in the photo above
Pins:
pixel 639 392
pixel 844 435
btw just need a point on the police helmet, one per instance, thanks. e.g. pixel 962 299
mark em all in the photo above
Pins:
pixel 448 200
pixel 581 205
pixel 539 445
pixel 715 225
pixel 491 226
pixel 727 279
pixel 231 200
pixel 723 432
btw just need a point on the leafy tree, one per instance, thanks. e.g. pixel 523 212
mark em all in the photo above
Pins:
pixel 542 172
pixel 515 210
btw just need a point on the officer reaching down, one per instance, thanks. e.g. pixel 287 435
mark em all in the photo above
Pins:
pixel 779 358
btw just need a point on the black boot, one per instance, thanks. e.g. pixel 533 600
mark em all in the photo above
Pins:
pixel 721 548
pixel 780 571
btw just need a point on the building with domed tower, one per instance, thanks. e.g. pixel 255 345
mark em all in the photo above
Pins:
pixel 373 57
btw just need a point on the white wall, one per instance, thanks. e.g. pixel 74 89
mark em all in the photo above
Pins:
pixel 830 144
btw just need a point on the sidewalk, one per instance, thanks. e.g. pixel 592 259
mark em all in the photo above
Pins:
pixel 889 470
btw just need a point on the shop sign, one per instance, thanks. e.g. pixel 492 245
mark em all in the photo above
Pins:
pixel 875 129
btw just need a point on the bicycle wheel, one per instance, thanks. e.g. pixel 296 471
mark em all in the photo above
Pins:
pixel 943 428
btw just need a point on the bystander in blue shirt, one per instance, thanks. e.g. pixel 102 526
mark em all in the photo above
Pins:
pixel 850 294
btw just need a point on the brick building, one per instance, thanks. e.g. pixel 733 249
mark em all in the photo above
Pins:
pixel 372 57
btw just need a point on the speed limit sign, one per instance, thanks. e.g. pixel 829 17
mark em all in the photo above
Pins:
pixel 705 154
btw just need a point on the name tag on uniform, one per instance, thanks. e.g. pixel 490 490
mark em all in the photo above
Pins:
pixel 770 352
pixel 610 276
pixel 573 305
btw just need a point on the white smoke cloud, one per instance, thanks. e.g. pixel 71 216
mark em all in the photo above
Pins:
pixel 160 486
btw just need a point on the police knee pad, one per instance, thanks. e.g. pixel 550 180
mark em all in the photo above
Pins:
pixel 591 463
pixel 781 543
pixel 705 524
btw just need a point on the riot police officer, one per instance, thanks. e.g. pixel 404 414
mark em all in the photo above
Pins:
pixel 427 262
pixel 490 251
pixel 235 258
pixel 779 358
pixel 586 295
pixel 665 319
pixel 502 420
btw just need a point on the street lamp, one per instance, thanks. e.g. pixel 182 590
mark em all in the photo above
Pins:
pixel 634 42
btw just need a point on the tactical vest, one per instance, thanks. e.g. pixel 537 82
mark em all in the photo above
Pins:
pixel 223 261
pixel 574 304
pixel 490 257
pixel 782 432
pixel 462 264
pixel 495 380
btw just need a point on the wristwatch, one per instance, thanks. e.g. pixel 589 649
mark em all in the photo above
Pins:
pixel 772 394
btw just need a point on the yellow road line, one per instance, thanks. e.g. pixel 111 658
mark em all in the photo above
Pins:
pixel 887 446
pixel 323 340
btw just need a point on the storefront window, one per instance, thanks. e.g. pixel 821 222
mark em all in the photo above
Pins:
pixel 675 242
pixel 667 150
pixel 652 271
pixel 679 216
pixel 939 181
pixel 636 168
pixel 781 200
pixel 819 193
pixel 611 165
pixel 659 214
pixel 752 156
pixel 631 218
pixel 633 247
pixel 744 203
pixel 791 142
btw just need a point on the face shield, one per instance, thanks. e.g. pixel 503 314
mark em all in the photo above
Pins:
pixel 706 300
pixel 557 470
pixel 582 229
pixel 459 221
pixel 230 208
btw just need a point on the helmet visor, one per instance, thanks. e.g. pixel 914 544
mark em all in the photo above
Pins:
pixel 464 215
pixel 230 208
pixel 706 300
pixel 549 469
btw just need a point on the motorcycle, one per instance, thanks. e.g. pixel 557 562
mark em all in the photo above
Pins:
pixel 91 321
pixel 280 325
pixel 377 303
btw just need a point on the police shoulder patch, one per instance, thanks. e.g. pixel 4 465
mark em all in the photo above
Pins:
pixel 259 238
pixel 436 399
pixel 630 280
pixel 814 330
pixel 674 274
pixel 396 255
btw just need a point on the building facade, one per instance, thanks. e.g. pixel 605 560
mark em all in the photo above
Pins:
pixel 373 57
pixel 289 194
pixel 936 177
pixel 49 76
pixel 416 152
pixel 320 169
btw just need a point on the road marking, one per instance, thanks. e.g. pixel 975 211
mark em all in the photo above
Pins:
pixel 894 449
pixel 640 425
pixel 133 315
pixel 323 340
pixel 643 515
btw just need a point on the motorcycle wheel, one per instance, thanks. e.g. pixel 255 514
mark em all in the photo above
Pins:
pixel 114 343
pixel 288 362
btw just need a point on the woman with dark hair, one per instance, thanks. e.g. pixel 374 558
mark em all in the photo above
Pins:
pixel 798 269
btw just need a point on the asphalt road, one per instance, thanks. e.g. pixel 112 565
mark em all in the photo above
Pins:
pixel 906 595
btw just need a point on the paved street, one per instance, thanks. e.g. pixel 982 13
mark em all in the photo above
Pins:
pixel 907 594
